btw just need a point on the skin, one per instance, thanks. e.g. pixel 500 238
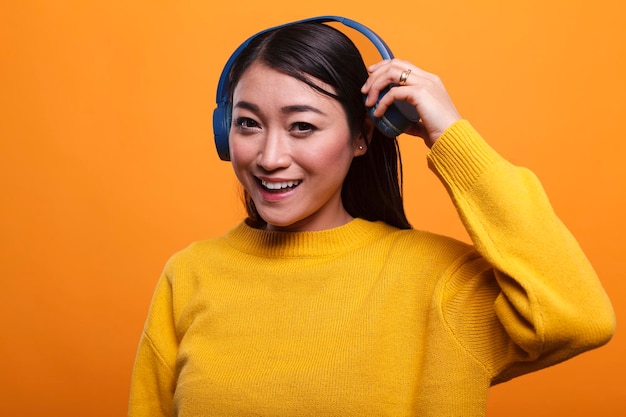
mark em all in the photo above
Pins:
pixel 423 90
pixel 285 133
pixel 288 136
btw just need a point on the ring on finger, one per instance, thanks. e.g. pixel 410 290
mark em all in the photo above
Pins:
pixel 404 76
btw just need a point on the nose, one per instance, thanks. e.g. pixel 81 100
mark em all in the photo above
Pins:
pixel 274 152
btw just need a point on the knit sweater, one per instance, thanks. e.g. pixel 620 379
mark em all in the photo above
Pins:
pixel 369 320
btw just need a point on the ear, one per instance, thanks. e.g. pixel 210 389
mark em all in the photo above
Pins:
pixel 362 140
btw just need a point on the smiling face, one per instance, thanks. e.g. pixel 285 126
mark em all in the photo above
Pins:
pixel 291 148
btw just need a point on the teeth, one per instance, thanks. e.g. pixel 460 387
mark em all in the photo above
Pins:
pixel 279 185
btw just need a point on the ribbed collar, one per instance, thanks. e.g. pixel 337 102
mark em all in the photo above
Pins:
pixel 332 242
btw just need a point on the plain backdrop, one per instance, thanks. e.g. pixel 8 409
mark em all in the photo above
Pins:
pixel 108 166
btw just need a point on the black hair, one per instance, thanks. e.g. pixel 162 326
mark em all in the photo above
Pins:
pixel 372 189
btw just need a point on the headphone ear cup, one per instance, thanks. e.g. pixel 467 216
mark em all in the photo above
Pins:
pixel 398 117
pixel 221 129
pixel 383 125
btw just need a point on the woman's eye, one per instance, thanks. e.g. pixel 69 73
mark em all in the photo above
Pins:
pixel 302 127
pixel 245 123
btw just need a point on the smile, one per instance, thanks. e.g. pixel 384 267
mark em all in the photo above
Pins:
pixel 280 186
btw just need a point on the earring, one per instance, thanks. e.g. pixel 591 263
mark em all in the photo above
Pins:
pixel 360 147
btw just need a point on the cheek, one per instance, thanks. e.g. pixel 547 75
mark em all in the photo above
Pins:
pixel 334 157
pixel 241 155
pixel 242 150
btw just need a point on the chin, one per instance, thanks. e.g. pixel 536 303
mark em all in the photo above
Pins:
pixel 282 224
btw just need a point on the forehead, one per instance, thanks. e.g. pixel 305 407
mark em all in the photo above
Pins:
pixel 263 82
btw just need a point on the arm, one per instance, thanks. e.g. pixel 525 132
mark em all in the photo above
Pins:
pixel 537 284
pixel 529 298
pixel 154 379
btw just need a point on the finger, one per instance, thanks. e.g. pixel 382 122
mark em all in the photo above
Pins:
pixel 392 95
pixel 385 74
pixel 379 64
pixel 420 89
pixel 374 84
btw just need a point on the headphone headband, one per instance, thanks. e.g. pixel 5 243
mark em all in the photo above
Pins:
pixel 396 119
pixel 223 95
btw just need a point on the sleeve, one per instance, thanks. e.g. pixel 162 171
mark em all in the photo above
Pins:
pixel 154 375
pixel 530 299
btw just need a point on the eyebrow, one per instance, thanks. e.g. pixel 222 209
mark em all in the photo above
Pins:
pixel 301 108
pixel 296 108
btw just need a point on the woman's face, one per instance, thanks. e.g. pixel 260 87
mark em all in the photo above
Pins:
pixel 291 148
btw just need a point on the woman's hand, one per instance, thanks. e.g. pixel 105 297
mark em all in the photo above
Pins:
pixel 421 89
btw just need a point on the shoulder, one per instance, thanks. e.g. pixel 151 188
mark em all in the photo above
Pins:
pixel 430 242
pixel 198 253
pixel 423 250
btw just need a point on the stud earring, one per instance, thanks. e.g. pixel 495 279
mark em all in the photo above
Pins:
pixel 360 147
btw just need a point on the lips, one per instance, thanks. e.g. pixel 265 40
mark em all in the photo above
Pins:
pixel 279 186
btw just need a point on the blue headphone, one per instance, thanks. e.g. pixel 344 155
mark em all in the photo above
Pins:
pixel 398 117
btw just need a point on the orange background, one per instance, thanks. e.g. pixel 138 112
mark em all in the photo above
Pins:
pixel 108 166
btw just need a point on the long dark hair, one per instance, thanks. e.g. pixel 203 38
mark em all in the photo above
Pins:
pixel 372 189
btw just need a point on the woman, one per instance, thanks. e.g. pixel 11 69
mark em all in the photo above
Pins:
pixel 325 301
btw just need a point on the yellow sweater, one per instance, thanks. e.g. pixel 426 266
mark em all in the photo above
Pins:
pixel 369 320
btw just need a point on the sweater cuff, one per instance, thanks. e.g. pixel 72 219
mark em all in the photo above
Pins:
pixel 461 155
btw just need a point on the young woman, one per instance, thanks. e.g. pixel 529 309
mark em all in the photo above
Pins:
pixel 325 301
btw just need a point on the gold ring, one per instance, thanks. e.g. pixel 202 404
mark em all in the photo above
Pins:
pixel 404 76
